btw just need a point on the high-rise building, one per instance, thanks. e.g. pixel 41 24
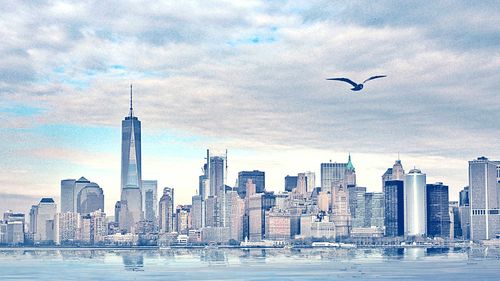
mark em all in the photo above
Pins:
pixel 236 211
pixel 217 168
pixel 32 224
pixel 311 181
pixel 90 199
pixel 149 199
pixel 92 228
pixel 67 228
pixel 369 211
pixel 395 173
pixel 216 171
pixel 131 172
pixel 257 177
pixel 341 212
pixel 290 183
pixel 464 213
pixel 332 175
pixel 12 228
pixel 166 210
pixel 438 216
pixel 67 195
pixel 45 215
pixel 483 199
pixel 350 173
pixel 259 203
pixel 394 208
pixel 182 219
pixel 80 184
pixel 210 211
pixel 197 216
pixel 415 207
pixel 375 203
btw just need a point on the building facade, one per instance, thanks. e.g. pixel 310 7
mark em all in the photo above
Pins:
pixel 438 216
pixel 415 207
pixel 394 208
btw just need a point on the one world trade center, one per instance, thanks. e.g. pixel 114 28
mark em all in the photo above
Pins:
pixel 131 201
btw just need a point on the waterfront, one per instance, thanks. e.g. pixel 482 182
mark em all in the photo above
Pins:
pixel 255 264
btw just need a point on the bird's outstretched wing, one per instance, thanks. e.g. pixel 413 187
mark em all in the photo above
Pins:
pixel 354 84
pixel 374 77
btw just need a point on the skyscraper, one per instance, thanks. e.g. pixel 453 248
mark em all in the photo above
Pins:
pixel 483 200
pixel 67 195
pixel 341 212
pixel 438 215
pixel 131 172
pixel 415 204
pixel 149 199
pixel 464 213
pixel 332 175
pixel 395 173
pixel 394 208
pixel 257 177
pixel 45 215
pixel 290 183
pixel 217 165
pixel 217 175
pixel 197 216
pixel 90 199
pixel 166 211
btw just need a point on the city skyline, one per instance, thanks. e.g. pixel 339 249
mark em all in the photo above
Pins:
pixel 255 87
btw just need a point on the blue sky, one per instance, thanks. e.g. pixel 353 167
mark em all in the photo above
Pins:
pixel 248 76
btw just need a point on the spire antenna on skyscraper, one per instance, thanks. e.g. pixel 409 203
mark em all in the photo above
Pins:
pixel 131 108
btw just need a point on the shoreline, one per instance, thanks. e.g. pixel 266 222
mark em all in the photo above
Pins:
pixel 158 248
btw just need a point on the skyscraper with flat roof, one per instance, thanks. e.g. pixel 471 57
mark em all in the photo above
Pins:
pixel 290 183
pixel 438 214
pixel 394 208
pixel 131 172
pixel 257 177
pixel 67 195
pixel 149 199
pixel 483 199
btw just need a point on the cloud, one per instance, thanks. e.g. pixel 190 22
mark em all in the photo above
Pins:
pixel 251 76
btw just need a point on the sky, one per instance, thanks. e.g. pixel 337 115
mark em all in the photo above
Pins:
pixel 247 76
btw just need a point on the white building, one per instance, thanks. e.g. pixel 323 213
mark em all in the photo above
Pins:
pixel 45 215
pixel 415 205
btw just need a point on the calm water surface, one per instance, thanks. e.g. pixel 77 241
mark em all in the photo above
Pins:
pixel 255 264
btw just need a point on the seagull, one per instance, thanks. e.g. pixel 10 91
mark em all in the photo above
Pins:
pixel 357 87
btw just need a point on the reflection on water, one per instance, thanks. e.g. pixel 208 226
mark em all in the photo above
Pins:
pixel 133 261
pixel 256 264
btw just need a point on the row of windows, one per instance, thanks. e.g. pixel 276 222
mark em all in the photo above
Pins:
pixel 478 212
pixel 483 212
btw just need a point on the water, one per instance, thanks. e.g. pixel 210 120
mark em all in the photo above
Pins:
pixel 255 264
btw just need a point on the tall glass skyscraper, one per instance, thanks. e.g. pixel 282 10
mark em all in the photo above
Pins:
pixel 131 172
pixel 415 206
pixel 438 216
pixel 394 208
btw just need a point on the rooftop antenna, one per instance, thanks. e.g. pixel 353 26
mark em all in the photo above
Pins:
pixel 131 110
pixel 398 156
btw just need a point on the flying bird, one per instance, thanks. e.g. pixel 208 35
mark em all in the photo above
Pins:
pixel 357 87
